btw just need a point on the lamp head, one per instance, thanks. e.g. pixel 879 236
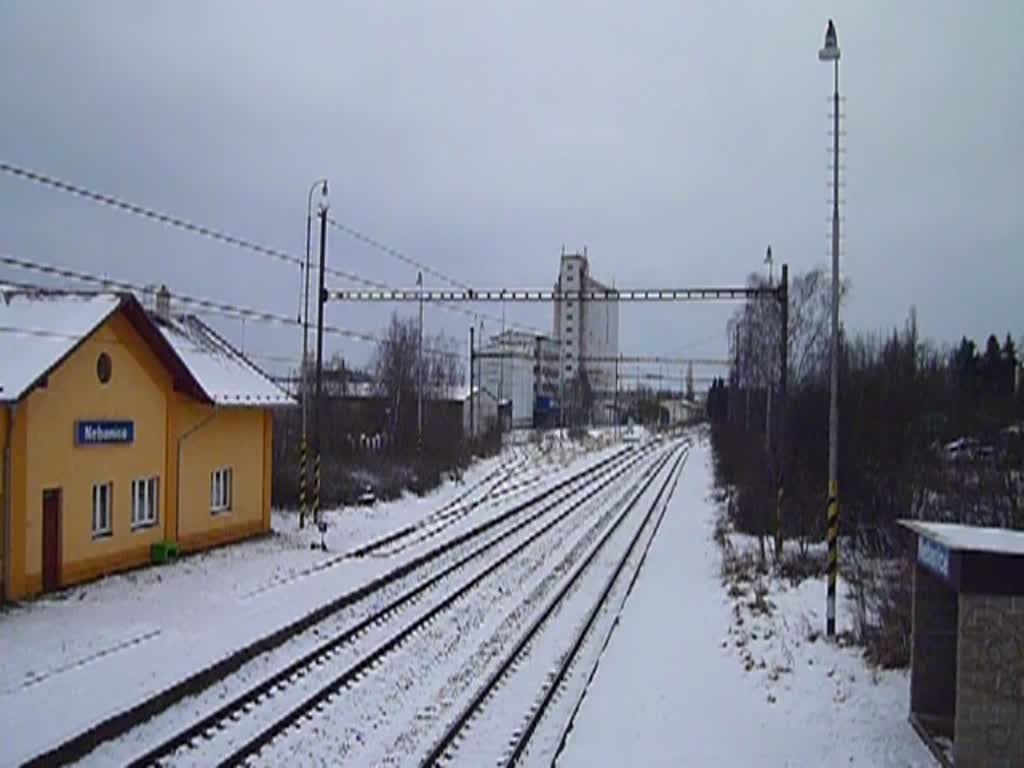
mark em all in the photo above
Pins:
pixel 324 205
pixel 831 50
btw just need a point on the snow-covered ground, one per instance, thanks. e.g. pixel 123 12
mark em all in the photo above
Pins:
pixel 93 650
pixel 696 672
pixel 694 676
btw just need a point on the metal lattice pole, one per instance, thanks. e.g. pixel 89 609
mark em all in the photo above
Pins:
pixel 831 53
pixel 320 367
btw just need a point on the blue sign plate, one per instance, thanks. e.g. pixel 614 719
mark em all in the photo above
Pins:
pixel 104 432
pixel 933 556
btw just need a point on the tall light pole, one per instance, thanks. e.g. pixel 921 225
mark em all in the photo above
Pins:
pixel 321 300
pixel 304 376
pixel 830 52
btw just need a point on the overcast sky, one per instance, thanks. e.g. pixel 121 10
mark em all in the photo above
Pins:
pixel 675 140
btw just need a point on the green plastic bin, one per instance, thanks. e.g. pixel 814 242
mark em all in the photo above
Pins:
pixel 164 551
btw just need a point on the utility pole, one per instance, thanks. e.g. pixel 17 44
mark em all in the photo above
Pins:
pixel 746 391
pixel 304 375
pixel 472 405
pixel 830 52
pixel 501 371
pixel 734 411
pixel 783 297
pixel 322 299
pixel 419 374
pixel 618 418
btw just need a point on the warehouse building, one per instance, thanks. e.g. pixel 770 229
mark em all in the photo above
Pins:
pixel 123 433
pixel 521 368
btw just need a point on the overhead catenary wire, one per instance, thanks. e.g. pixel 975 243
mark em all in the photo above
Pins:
pixel 405 258
pixel 394 252
pixel 176 222
pixel 233 240
pixel 215 307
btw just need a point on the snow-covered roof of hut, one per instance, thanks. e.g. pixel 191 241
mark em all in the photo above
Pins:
pixel 970 538
pixel 222 372
pixel 38 329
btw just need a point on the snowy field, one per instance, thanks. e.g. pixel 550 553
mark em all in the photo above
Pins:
pixel 693 676
pixel 112 642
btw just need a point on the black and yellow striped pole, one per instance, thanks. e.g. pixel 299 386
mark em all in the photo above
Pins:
pixel 319 423
pixel 302 481
pixel 316 488
pixel 833 556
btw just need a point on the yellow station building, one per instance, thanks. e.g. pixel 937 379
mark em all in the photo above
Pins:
pixel 121 429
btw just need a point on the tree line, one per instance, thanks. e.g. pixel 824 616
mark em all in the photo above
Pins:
pixel 903 400
pixel 370 421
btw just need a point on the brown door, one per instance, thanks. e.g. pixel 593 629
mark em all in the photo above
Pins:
pixel 51 540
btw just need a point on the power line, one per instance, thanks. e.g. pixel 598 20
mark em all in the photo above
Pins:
pixel 177 222
pixel 218 308
pixel 405 258
pixel 224 237
pixel 149 213
pixel 394 252
pixel 18 330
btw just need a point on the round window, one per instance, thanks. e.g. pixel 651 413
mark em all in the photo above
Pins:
pixel 103 367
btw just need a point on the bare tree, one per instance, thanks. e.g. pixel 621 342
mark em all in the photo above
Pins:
pixel 399 369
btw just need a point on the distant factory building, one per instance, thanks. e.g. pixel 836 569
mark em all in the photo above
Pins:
pixel 585 330
pixel 521 368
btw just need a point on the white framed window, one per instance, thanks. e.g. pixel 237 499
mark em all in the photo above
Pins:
pixel 145 501
pixel 102 510
pixel 220 490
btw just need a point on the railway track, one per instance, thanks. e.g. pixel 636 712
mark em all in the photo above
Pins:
pixel 418 568
pixel 551 658
pixel 291 679
pixel 496 488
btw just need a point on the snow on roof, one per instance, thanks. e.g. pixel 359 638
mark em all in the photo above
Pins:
pixel 461 392
pixel 222 372
pixel 970 538
pixel 39 329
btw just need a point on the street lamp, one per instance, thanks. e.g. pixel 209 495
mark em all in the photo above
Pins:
pixel 304 377
pixel 830 52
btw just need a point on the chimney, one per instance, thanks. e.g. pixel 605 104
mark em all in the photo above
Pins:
pixel 163 304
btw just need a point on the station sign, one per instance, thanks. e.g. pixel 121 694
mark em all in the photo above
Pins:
pixel 104 432
pixel 933 556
